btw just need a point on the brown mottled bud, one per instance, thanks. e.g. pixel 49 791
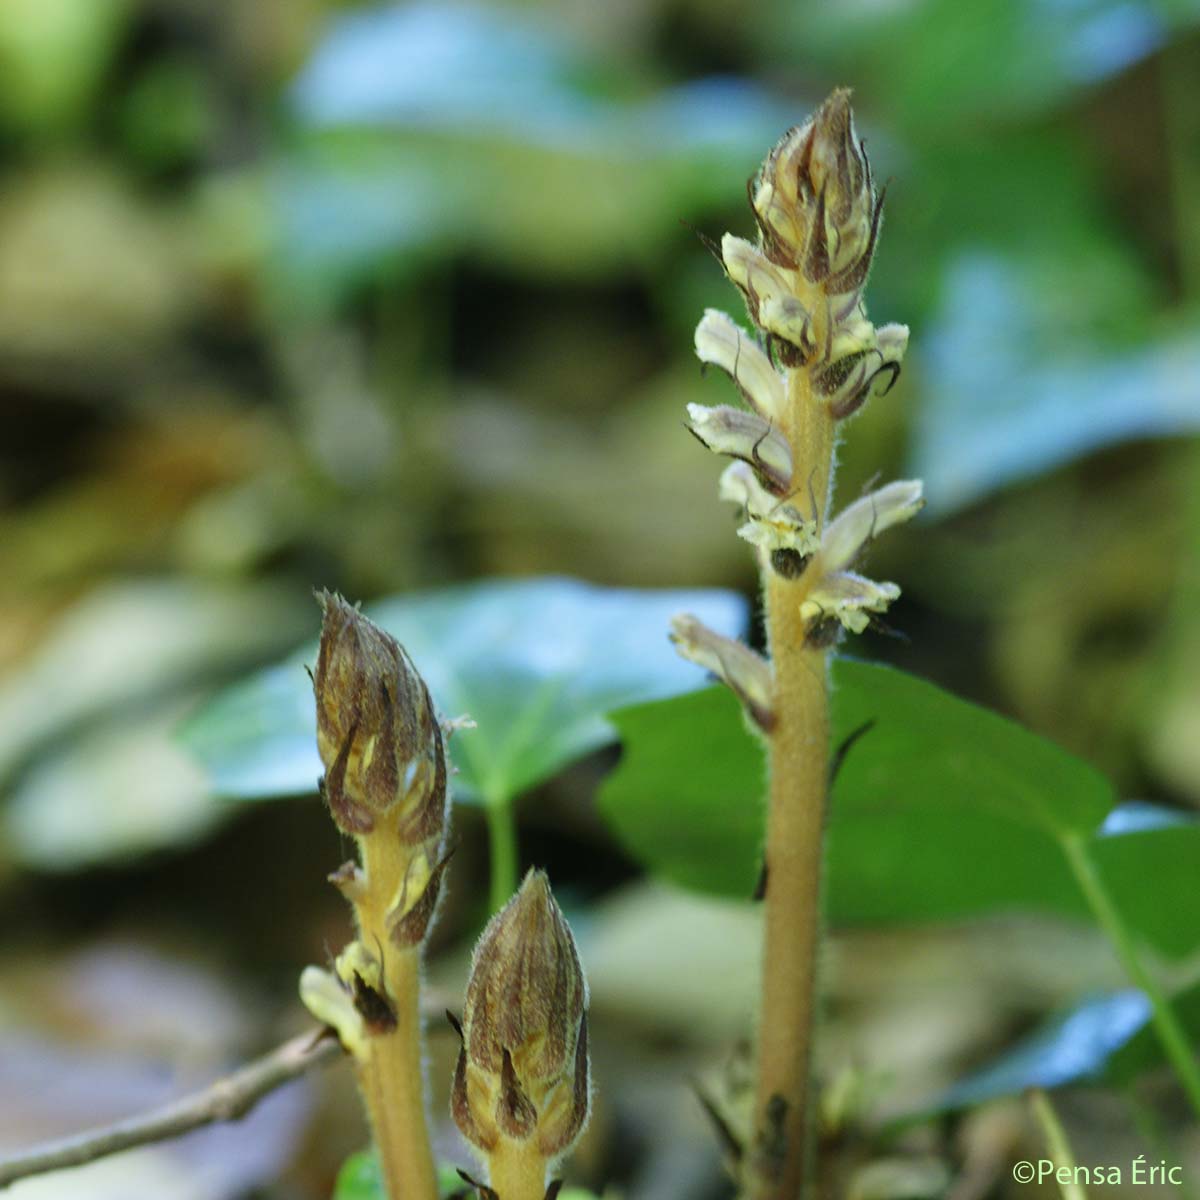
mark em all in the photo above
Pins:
pixel 815 203
pixel 377 732
pixel 522 1073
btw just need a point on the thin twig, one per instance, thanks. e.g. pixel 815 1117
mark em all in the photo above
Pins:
pixel 1163 1019
pixel 227 1099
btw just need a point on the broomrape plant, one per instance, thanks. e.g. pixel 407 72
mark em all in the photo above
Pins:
pixel 814 360
pixel 520 1090
pixel 521 1087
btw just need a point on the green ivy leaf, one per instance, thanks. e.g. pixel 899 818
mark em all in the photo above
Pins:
pixel 1035 407
pixel 536 663
pixel 685 799
pixel 934 777
pixel 941 810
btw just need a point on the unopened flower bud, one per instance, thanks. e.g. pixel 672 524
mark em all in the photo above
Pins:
pixel 377 732
pixel 745 673
pixel 522 1074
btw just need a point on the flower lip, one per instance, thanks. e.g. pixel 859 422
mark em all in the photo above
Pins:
pixel 745 436
pixel 719 341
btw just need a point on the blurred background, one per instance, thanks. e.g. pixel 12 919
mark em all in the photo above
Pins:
pixel 307 293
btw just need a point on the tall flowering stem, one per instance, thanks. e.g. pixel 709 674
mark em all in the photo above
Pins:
pixel 385 784
pixel 813 361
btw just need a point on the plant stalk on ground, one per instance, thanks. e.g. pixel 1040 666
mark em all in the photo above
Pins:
pixel 385 783
pixel 815 362
pixel 795 838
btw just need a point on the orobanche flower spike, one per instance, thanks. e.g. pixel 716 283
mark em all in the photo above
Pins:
pixel 812 360
pixel 385 783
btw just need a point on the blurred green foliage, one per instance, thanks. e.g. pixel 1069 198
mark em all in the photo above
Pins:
pixel 390 297
pixel 536 664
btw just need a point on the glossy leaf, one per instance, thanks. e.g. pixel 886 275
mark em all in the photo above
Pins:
pixel 1103 1039
pixel 687 791
pixel 941 810
pixel 1073 1047
pixel 686 798
pixel 929 747
pixel 536 663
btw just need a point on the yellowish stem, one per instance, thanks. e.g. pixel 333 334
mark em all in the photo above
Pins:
pixel 392 1077
pixel 1058 1145
pixel 516 1171
pixel 799 749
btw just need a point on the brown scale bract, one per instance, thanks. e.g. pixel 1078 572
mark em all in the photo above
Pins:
pixel 377 732
pixel 815 203
pixel 523 1069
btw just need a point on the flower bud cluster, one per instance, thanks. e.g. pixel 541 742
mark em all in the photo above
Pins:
pixel 522 1080
pixel 818 217
pixel 521 1091
pixel 385 760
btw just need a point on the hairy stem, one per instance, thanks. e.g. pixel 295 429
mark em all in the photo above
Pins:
pixel 517 1171
pixel 1170 1033
pixel 392 1075
pixel 799 749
